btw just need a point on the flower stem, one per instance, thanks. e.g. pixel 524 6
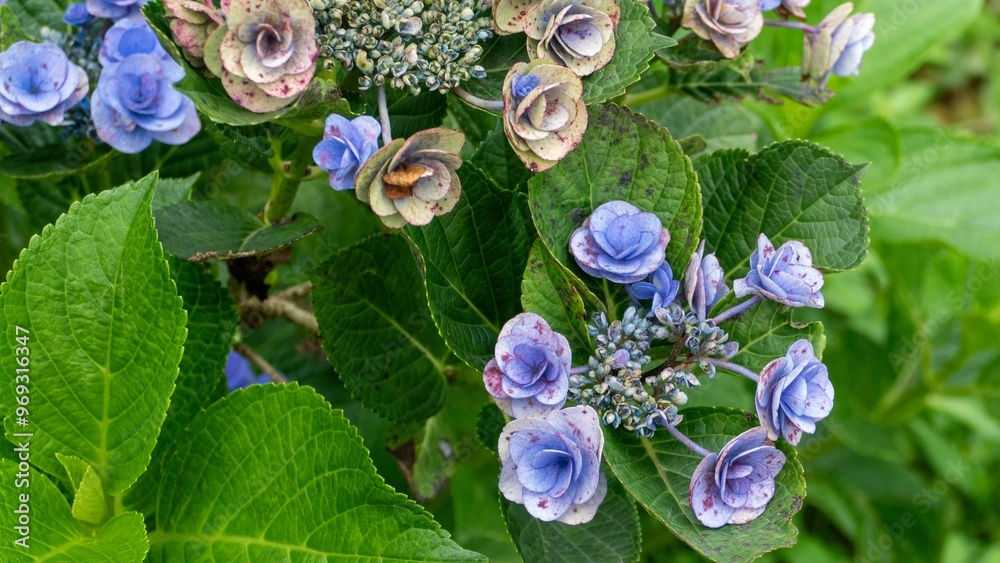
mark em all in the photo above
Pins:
pixel 803 27
pixel 383 116
pixel 687 441
pixel 738 309
pixel 476 101
pixel 286 178
pixel 645 96
pixel 735 368
pixel 264 365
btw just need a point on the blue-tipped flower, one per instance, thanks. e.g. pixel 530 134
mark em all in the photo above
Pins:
pixel 704 282
pixel 115 9
pixel 77 15
pixel 346 145
pixel 38 82
pixel 793 394
pixel 735 485
pixel 838 45
pixel 553 466
pixel 620 243
pixel 529 376
pixel 132 36
pixel 662 288
pixel 785 275
pixel 786 7
pixel 240 374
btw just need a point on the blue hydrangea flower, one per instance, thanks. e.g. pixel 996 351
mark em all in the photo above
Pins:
pixel 133 36
pixel 240 374
pixel 785 275
pixel 735 485
pixel 345 147
pixel 529 376
pixel 793 394
pixel 522 85
pixel 77 15
pixel 135 104
pixel 662 288
pixel 38 82
pixel 704 282
pixel 620 243
pixel 115 9
pixel 553 466
pixel 838 44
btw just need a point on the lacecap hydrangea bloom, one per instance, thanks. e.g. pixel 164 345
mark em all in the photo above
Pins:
pixel 346 145
pixel 553 466
pixel 578 34
pixel 786 7
pixel 704 282
pixel 838 45
pixel 729 24
pixel 785 275
pixel 735 485
pixel 793 394
pixel 529 375
pixel 38 82
pixel 115 9
pixel 620 243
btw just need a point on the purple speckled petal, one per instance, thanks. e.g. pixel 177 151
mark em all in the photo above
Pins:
pixel 704 497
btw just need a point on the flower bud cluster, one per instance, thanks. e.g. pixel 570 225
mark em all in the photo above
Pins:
pixel 81 48
pixel 407 44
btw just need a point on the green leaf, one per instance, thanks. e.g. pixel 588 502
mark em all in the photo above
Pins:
pixel 499 162
pixel 55 535
pixel 102 368
pixel 613 534
pixel 944 192
pixel 372 312
pixel 489 426
pixel 499 55
pixel 473 258
pixel 75 468
pixel 10 29
pixel 53 162
pixel 657 472
pixel 323 500
pixel 89 504
pixel 200 230
pixel 548 292
pixel 33 15
pixel 791 190
pixel 635 43
pixel 172 191
pixel 767 331
pixel 410 114
pixel 623 156
pixel 211 323
pixel 875 140
pixel 724 126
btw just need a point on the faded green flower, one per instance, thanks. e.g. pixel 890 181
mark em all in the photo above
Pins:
pixel 509 15
pixel 192 22
pixel 577 33
pixel 838 45
pixel 730 24
pixel 413 180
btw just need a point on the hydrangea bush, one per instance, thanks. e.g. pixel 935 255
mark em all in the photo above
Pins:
pixel 449 219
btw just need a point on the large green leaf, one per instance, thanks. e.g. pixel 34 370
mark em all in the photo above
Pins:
pixel 201 230
pixel 613 534
pixel 499 162
pixel 548 291
pixel 377 332
pixel 623 156
pixel 790 190
pixel 106 335
pixel 635 43
pixel 53 162
pixel 473 258
pixel 767 331
pixel 36 14
pixel 723 126
pixel 54 534
pixel 657 472
pixel 211 322
pixel 298 486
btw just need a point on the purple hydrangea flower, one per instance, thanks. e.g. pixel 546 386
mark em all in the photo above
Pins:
pixel 77 15
pixel 620 243
pixel 838 45
pixel 553 466
pixel 240 374
pixel 135 104
pixel 793 394
pixel 662 288
pixel 346 145
pixel 132 36
pixel 735 485
pixel 785 275
pixel 704 282
pixel 115 9
pixel 529 376
pixel 38 82
pixel 786 7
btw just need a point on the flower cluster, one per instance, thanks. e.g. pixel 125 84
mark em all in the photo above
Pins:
pixel 405 44
pixel 834 47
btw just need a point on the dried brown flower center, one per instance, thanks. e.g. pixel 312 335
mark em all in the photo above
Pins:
pixel 399 183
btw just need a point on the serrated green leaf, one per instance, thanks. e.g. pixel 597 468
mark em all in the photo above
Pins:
pixel 499 162
pixel 623 156
pixel 53 162
pixel 767 331
pixel 201 230
pixel 172 191
pixel 211 322
pixel 793 190
pixel 75 468
pixel 635 43
pixel 548 292
pixel 376 329
pixel 723 126
pixel 473 257
pixel 102 367
pixel 657 472
pixel 323 499
pixel 613 534
pixel 499 55
pixel 55 535
pixel 489 426
pixel 89 504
